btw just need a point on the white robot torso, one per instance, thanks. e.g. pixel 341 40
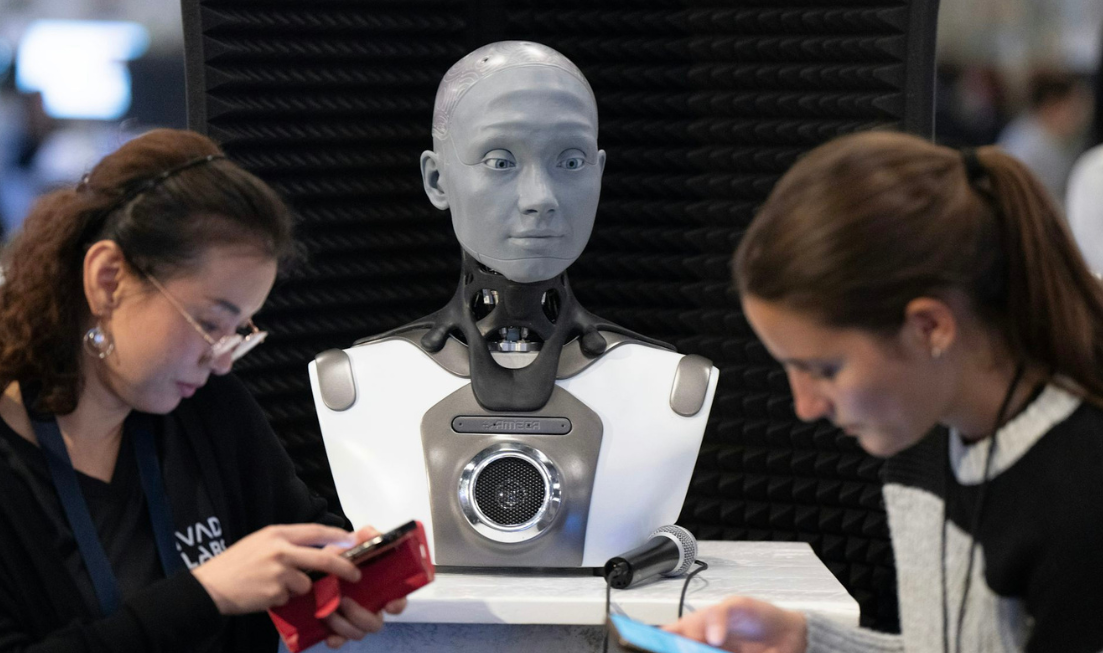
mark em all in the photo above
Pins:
pixel 406 440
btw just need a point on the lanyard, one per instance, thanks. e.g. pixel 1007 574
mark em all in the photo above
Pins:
pixel 80 520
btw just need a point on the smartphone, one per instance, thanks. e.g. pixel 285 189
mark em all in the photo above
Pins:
pixel 392 565
pixel 373 547
pixel 368 549
pixel 633 635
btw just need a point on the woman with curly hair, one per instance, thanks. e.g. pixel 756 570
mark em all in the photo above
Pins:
pixel 145 504
pixel 903 286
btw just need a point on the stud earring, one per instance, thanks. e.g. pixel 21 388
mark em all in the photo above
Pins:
pixel 98 343
pixel 936 353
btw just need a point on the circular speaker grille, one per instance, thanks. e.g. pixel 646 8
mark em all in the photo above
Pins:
pixel 510 491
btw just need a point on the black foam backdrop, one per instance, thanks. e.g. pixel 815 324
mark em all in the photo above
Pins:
pixel 703 106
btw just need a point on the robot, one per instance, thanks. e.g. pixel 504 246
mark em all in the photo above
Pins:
pixel 521 429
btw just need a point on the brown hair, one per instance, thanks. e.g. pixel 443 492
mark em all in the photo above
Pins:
pixel 866 223
pixel 163 224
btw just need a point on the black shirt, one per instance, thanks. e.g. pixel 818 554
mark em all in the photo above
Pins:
pixel 226 476
pixel 1036 540
pixel 118 510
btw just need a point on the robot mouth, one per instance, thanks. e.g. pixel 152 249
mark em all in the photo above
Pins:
pixel 535 235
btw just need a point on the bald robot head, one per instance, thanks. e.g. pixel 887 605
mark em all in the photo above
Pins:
pixel 484 62
pixel 515 159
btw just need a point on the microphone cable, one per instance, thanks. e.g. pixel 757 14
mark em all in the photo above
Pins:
pixel 608 597
pixel 685 586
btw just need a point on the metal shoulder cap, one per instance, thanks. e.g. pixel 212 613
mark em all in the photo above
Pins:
pixel 691 384
pixel 335 380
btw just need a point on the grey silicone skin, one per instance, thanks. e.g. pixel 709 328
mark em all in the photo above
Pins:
pixel 516 162
pixel 515 158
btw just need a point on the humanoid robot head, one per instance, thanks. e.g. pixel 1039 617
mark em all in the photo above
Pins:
pixel 515 158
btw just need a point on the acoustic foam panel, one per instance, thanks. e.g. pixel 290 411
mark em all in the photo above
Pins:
pixel 703 105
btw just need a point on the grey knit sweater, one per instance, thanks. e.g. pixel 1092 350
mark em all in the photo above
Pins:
pixel 1037 575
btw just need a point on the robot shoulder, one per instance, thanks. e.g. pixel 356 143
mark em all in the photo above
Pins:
pixel 399 353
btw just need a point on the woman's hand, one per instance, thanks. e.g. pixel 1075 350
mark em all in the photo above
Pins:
pixel 351 620
pixel 746 625
pixel 268 567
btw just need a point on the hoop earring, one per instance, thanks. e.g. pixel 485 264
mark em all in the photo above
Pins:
pixel 98 342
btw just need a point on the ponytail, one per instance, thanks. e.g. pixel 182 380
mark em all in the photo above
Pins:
pixel 1054 303
pixel 862 225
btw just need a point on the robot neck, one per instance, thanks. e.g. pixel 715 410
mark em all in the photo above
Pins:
pixel 512 316
pixel 495 314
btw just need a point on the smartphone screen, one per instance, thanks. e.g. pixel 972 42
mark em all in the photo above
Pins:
pixel 368 548
pixel 640 637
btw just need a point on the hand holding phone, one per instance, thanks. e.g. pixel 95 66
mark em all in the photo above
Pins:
pixel 636 636
pixel 364 551
pixel 392 565
pixel 264 568
pixel 741 623
pixel 351 621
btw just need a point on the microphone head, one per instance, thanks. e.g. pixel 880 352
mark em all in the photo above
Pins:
pixel 687 547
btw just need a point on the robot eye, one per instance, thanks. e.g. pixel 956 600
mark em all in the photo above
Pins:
pixel 572 159
pixel 499 160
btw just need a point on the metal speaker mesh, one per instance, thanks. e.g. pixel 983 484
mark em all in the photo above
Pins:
pixel 510 491
pixel 685 539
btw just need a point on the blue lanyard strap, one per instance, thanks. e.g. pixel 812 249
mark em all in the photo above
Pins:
pixel 80 520
pixel 76 511
pixel 160 514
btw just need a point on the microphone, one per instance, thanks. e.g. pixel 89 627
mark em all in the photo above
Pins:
pixel 669 551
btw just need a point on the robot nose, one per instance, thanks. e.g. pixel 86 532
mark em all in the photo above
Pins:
pixel 537 194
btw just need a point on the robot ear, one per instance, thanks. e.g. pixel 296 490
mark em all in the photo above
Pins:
pixel 433 180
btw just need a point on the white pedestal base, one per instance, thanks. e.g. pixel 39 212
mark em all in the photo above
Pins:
pixel 499 611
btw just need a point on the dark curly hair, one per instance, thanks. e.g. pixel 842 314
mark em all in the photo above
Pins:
pixel 163 224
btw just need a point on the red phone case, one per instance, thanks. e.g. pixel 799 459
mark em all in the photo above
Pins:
pixel 393 573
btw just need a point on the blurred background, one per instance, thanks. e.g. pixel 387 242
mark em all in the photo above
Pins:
pixel 79 77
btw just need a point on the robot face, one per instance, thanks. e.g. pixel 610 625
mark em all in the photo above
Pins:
pixel 521 171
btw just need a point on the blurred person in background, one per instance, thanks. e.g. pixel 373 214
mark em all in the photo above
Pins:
pixel 1050 134
pixel 1084 202
pixel 1097 92
pixel 970 104
pixel 1084 207
pixel 25 129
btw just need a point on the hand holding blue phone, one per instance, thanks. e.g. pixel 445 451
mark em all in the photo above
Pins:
pixel 637 636
pixel 746 625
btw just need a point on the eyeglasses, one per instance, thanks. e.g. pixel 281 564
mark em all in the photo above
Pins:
pixel 236 344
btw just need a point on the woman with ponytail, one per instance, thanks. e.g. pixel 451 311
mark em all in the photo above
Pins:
pixel 906 286
pixel 145 504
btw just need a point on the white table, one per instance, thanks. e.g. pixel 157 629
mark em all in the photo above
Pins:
pixel 494 611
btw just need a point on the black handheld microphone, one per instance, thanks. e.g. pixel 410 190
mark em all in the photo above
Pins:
pixel 669 551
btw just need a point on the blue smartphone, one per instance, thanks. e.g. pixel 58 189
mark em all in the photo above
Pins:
pixel 636 636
